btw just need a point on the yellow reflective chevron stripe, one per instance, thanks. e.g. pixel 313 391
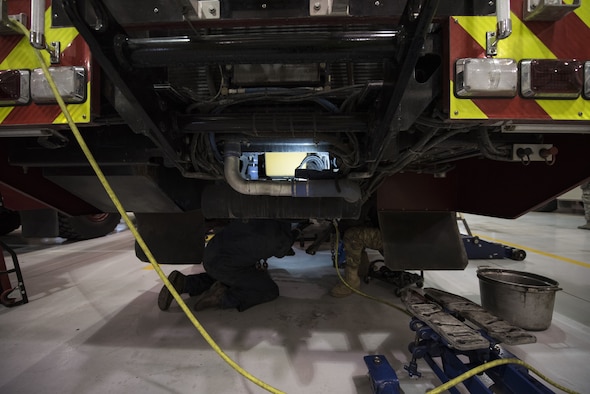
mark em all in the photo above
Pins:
pixel 465 109
pixel 4 111
pixel 521 44
pixel 566 109
pixel 583 12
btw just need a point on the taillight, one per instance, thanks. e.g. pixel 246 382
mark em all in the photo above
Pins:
pixel 70 82
pixel 546 78
pixel 489 77
pixel 14 87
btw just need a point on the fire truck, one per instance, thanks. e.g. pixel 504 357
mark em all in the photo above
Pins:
pixel 200 110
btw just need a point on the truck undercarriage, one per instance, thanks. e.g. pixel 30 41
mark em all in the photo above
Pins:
pixel 198 106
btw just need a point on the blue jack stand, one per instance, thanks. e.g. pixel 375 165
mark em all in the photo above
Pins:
pixel 383 377
pixel 508 378
pixel 477 248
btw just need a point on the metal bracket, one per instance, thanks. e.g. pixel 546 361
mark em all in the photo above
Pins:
pixel 503 27
pixel 547 10
pixel 54 52
pixel 328 7
pixel 320 7
pixel 207 9
pixel 6 28
pixel 491 43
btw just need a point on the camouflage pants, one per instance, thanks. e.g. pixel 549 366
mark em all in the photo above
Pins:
pixel 586 200
pixel 356 240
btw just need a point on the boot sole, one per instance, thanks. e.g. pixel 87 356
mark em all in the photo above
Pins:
pixel 165 297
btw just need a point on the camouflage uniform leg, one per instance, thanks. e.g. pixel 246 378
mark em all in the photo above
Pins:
pixel 355 241
pixel 586 202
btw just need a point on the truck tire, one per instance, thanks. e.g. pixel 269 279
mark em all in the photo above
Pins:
pixel 87 226
pixel 9 221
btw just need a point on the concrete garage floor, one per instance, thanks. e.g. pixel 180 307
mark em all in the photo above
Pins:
pixel 92 324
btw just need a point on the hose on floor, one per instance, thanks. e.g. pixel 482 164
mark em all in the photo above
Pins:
pixel 129 223
pixel 471 372
pixel 492 364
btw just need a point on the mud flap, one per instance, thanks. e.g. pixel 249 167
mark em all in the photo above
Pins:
pixel 173 238
pixel 422 241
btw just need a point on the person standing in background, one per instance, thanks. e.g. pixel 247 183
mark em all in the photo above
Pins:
pixel 586 201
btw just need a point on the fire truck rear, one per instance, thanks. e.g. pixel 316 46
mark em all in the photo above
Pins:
pixel 221 109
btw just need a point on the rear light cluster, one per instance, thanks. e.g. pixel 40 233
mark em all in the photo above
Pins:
pixel 531 78
pixel 19 87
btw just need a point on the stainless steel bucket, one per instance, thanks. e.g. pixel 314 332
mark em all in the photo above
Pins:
pixel 524 299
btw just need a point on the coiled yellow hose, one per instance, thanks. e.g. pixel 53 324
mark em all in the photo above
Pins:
pixel 129 223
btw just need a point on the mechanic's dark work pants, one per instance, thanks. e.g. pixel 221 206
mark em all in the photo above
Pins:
pixel 247 285
pixel 196 284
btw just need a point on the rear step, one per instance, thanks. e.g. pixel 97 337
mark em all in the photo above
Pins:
pixel 457 334
pixel 495 327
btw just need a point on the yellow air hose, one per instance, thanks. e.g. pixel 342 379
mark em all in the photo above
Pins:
pixel 127 221
pixel 492 364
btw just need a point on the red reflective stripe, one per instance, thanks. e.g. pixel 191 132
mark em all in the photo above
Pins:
pixel 514 108
pixel 32 114
pixel 567 39
pixel 8 44
pixel 76 54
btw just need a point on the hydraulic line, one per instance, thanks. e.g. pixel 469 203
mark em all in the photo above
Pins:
pixel 132 228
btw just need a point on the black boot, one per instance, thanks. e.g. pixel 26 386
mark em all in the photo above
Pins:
pixel 165 298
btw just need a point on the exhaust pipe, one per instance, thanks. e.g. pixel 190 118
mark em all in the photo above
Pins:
pixel 343 188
